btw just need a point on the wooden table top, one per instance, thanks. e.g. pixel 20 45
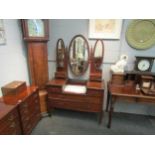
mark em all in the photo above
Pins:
pixel 122 90
pixel 89 84
pixel 95 85
pixel 57 82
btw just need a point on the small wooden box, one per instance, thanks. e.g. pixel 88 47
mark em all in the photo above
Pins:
pixel 13 88
pixel 117 78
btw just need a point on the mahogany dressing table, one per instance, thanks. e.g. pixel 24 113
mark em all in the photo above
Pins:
pixel 71 94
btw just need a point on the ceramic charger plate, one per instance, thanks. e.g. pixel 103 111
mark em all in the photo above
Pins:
pixel 141 34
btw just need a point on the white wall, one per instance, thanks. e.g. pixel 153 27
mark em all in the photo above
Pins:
pixel 67 28
pixel 13 59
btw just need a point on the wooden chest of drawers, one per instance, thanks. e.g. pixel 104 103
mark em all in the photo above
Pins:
pixel 9 120
pixel 91 101
pixel 27 107
pixel 29 110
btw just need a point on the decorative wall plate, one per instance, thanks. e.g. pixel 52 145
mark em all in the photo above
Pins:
pixel 141 33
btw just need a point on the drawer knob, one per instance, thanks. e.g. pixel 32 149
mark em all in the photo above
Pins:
pixel 11 118
pixel 12 125
pixel 25 105
pixel 27 118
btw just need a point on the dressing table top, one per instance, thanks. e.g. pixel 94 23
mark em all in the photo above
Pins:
pixel 89 84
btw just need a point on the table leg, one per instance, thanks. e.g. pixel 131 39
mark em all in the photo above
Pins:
pixel 108 100
pixel 111 111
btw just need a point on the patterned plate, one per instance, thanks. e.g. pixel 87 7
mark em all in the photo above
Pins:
pixel 141 33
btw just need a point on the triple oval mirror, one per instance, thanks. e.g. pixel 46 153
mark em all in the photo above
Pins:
pixel 79 55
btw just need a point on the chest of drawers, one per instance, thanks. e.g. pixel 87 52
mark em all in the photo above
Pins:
pixel 27 107
pixel 29 110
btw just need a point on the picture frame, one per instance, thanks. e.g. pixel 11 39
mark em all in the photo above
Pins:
pixel 2 33
pixel 105 28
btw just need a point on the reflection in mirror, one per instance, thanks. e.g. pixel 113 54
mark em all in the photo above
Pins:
pixel 98 53
pixel 78 55
pixel 60 53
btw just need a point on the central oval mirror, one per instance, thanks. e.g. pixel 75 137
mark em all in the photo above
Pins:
pixel 78 55
pixel 98 53
pixel 60 48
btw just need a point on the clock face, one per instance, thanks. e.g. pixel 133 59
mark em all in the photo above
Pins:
pixel 35 28
pixel 143 65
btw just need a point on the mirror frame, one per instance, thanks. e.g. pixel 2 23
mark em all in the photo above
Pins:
pixel 61 72
pixel 57 45
pixel 96 73
pixel 93 56
pixel 84 71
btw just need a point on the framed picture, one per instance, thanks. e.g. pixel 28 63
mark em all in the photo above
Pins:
pixel 105 28
pixel 2 33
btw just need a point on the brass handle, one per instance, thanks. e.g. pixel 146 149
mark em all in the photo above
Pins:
pixel 11 118
pixel 12 125
pixel 25 105
pixel 25 111
pixel 27 118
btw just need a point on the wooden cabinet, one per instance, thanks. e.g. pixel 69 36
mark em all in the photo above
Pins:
pixel 9 120
pixel 20 113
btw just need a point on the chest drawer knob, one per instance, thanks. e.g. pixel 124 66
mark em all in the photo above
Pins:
pixel 27 118
pixel 11 118
pixel 12 125
pixel 25 105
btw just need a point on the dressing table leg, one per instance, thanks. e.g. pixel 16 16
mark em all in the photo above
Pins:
pixel 111 111
pixel 108 100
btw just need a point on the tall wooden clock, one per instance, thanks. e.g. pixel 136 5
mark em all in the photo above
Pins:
pixel 36 35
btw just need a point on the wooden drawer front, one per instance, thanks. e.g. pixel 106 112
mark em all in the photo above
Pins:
pixel 77 98
pixel 96 93
pixel 10 124
pixel 35 119
pixel 91 107
pixel 28 108
pixel 30 123
pixel 30 113
pixel 11 128
pixel 54 89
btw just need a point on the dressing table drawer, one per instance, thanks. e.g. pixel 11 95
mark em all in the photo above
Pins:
pixel 75 98
pixel 95 93
pixel 54 90
pixel 80 106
